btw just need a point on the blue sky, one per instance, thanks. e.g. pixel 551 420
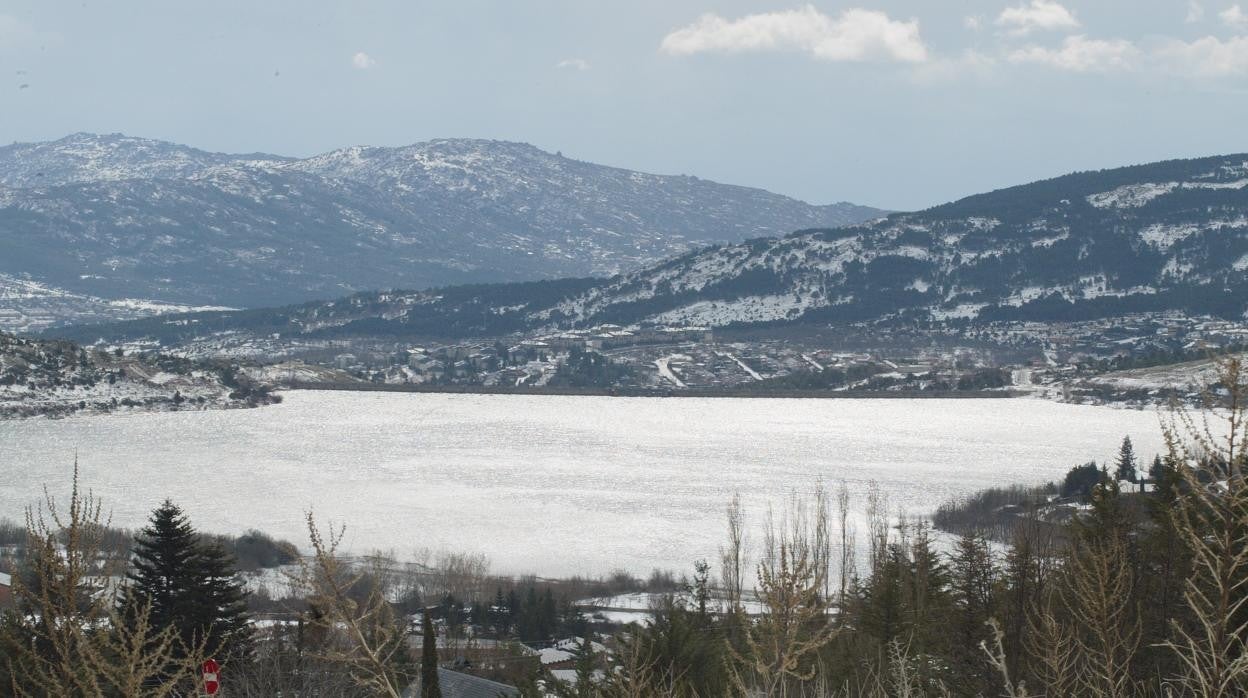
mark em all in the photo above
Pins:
pixel 900 104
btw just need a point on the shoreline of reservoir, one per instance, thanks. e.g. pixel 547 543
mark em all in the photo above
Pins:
pixel 651 392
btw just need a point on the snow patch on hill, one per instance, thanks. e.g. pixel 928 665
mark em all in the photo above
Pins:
pixel 1138 195
pixel 767 308
pixel 1164 236
pixel 1131 195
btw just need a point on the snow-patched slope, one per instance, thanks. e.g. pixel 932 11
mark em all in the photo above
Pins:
pixel 87 157
pixel 51 378
pixel 1027 251
pixel 1137 195
pixel 153 219
pixel 29 306
pixel 1047 251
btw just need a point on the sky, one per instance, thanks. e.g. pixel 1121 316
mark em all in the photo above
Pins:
pixel 901 104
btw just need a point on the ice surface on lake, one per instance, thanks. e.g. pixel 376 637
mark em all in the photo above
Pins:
pixel 550 485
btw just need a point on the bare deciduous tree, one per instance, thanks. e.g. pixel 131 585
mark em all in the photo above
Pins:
pixel 79 643
pixel 847 557
pixel 1211 518
pixel 1053 651
pixel 733 556
pixel 1098 592
pixel 363 635
pixel 781 644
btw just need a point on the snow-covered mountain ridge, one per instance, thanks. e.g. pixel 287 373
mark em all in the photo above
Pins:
pixel 118 217
pixel 1169 236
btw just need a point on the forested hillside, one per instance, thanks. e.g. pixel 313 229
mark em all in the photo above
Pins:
pixel 1170 236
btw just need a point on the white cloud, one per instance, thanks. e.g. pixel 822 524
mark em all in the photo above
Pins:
pixel 579 64
pixel 1039 14
pixel 1195 12
pixel 856 35
pixel 363 61
pixel 1234 16
pixel 1082 55
pixel 1209 57
pixel 973 22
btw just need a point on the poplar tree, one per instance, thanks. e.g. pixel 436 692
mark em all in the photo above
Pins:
pixel 429 687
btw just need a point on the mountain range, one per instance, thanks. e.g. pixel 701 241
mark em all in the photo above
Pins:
pixel 113 217
pixel 1168 236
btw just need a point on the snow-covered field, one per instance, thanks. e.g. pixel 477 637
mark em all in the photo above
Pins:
pixel 1192 376
pixel 551 485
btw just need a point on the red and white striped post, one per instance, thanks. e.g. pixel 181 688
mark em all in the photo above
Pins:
pixel 212 681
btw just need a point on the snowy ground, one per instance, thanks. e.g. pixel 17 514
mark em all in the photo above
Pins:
pixel 297 372
pixel 1192 375
pixel 665 368
pixel 642 602
pixel 130 394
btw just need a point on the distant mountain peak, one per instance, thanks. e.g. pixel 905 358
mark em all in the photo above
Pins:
pixel 151 219
pixel 1165 238
pixel 89 157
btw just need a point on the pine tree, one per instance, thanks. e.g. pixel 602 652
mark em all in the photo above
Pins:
pixel 191 586
pixel 429 687
pixel 701 587
pixel 512 621
pixel 548 616
pixel 527 618
pixel 1126 464
pixel 1165 567
pixel 1157 470
pixel 683 654
pixel 498 615
pixel 221 602
pixel 972 577
pixel 163 557
pixel 1022 591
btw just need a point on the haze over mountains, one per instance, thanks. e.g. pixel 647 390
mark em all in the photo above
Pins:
pixel 1165 236
pixel 111 217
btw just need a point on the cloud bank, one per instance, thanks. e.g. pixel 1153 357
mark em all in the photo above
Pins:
pixel 855 35
pixel 1234 17
pixel 865 35
pixel 1209 57
pixel 1039 15
pixel 1082 55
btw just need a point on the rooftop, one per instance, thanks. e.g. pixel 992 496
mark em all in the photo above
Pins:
pixel 457 685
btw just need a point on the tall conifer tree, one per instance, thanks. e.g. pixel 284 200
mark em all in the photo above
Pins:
pixel 191 586
pixel 1127 466
pixel 429 686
